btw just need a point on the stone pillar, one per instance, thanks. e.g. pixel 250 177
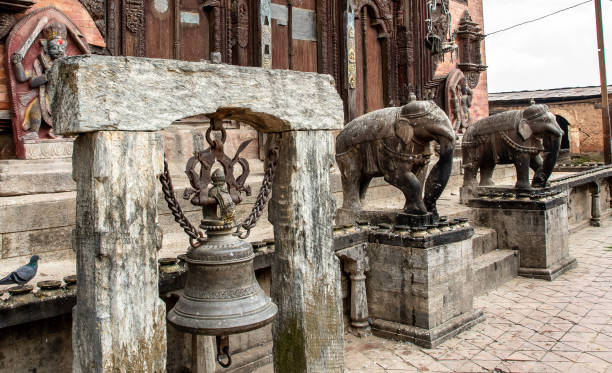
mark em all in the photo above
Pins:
pixel 116 240
pixel 308 330
pixel 595 205
pixel 356 264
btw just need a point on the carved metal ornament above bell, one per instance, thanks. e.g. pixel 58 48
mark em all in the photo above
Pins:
pixel 221 294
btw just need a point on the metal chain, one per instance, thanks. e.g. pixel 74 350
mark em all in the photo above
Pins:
pixel 264 192
pixel 195 236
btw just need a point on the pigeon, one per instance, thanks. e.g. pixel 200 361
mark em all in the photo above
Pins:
pixel 23 274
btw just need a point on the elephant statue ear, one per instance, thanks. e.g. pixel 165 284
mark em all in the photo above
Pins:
pixel 404 130
pixel 524 129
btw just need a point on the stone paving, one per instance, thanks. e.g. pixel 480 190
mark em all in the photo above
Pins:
pixel 531 325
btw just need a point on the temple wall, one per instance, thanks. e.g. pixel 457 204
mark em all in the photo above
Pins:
pixel 480 103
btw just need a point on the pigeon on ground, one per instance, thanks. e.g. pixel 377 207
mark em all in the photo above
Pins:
pixel 23 274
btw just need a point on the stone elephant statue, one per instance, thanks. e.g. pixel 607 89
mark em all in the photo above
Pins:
pixel 394 143
pixel 513 137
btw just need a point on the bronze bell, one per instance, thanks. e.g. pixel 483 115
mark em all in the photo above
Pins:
pixel 221 295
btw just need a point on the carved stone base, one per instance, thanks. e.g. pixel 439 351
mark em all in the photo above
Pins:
pixel 48 149
pixel 534 224
pixel 551 272
pixel 421 290
pixel 394 217
pixel 428 338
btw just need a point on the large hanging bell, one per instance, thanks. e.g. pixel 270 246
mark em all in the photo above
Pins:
pixel 222 295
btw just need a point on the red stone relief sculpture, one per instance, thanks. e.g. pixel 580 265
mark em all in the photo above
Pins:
pixel 33 45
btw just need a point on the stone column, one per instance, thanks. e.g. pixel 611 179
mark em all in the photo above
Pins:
pixel 119 321
pixel 308 331
pixel 595 205
pixel 356 264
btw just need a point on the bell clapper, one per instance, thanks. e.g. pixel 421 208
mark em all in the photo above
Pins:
pixel 223 351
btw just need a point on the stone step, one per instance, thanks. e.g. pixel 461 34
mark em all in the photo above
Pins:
pixel 493 269
pixel 483 241
pixel 21 177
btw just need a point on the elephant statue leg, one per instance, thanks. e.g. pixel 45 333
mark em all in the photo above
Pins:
pixel 487 166
pixel 470 172
pixel 522 163
pixel 410 186
pixel 486 175
pixel 363 187
pixel 350 175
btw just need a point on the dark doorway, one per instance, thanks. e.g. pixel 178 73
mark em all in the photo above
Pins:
pixel 564 124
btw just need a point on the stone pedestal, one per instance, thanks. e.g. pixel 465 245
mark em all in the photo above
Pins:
pixel 533 222
pixel 116 240
pixel 420 289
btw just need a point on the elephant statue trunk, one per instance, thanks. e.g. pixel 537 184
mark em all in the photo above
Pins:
pixel 394 143
pixel 552 145
pixel 514 137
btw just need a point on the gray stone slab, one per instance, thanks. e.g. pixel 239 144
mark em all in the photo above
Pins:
pixel 168 90
pixel 35 242
pixel 22 177
pixel 493 269
pixel 35 212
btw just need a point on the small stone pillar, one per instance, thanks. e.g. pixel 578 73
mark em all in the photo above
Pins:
pixel 356 264
pixel 305 271
pixel 116 240
pixel 534 222
pixel 595 205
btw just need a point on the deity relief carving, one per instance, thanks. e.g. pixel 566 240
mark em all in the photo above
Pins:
pixel 33 45
pixel 458 100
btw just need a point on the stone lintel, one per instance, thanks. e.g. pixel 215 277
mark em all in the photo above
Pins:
pixel 428 338
pixel 143 94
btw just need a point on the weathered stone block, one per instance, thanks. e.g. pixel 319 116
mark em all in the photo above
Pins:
pixel 421 289
pixel 305 271
pixel 168 90
pixel 19 177
pixel 22 213
pixel 116 240
pixel 35 242
pixel 538 228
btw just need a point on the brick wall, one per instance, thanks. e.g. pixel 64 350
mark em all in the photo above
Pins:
pixel 480 103
pixel 584 117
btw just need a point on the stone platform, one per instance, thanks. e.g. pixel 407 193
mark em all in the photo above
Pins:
pixel 420 288
pixel 534 222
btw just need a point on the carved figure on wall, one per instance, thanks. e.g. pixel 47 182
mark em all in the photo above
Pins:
pixel 513 137
pixel 394 143
pixel 32 46
pixel 458 100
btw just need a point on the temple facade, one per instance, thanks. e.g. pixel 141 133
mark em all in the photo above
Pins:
pixel 377 51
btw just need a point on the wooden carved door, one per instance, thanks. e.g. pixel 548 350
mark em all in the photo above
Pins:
pixel 178 29
pixel 370 87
